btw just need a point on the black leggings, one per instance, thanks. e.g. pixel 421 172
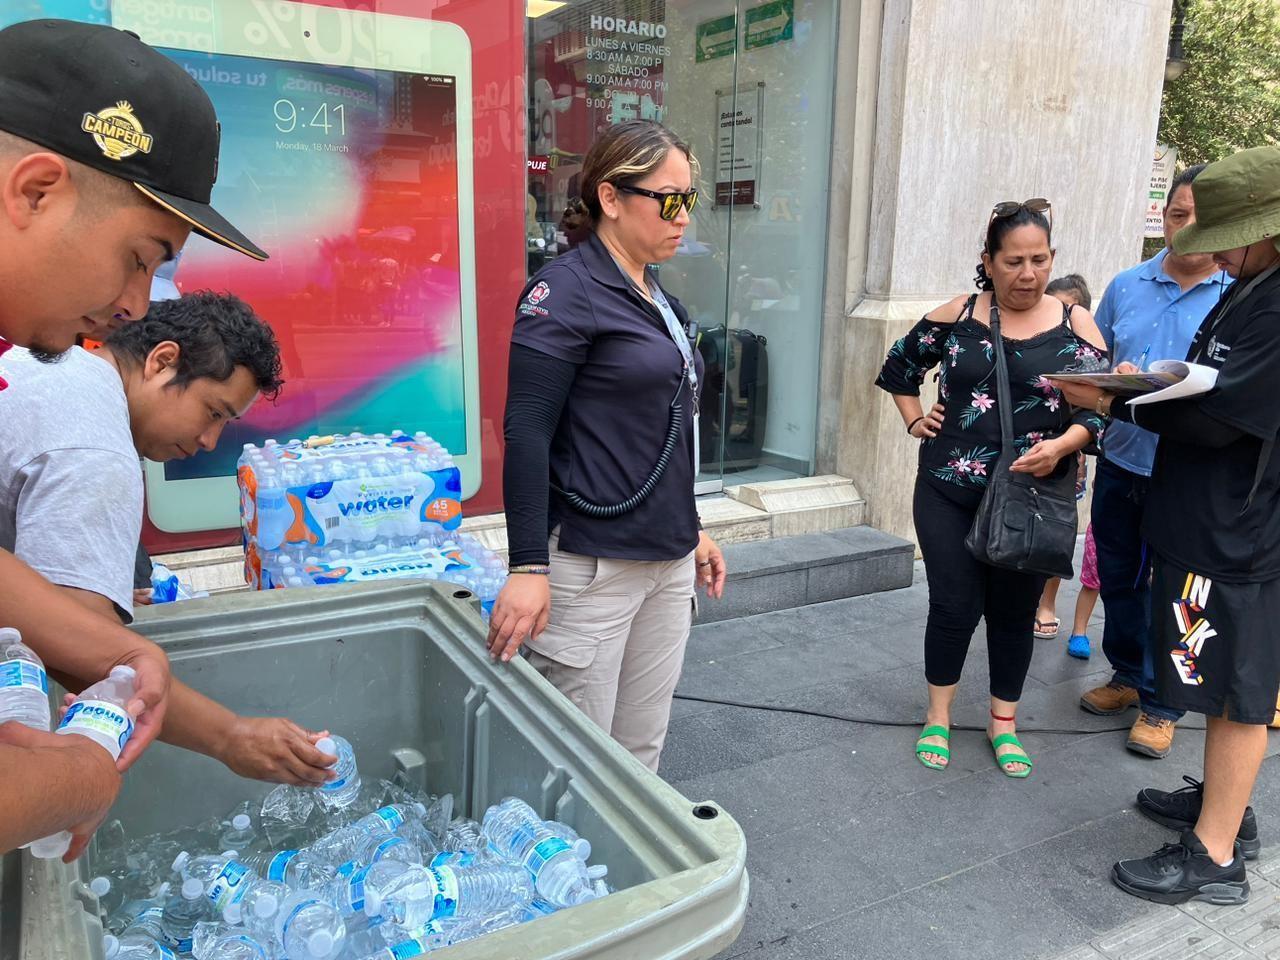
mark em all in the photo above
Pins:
pixel 962 590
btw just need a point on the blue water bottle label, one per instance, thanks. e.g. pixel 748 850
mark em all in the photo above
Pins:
pixel 279 864
pixel 542 854
pixel 382 849
pixel 222 891
pixel 166 953
pixel 20 673
pixel 456 858
pixel 100 717
pixel 355 891
pixel 446 893
pixel 392 817
pixel 405 950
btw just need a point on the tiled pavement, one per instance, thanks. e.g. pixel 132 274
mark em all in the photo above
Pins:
pixel 855 850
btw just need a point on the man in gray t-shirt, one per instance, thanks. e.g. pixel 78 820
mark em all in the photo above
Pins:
pixel 71 484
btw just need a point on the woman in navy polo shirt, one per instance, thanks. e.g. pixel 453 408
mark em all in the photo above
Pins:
pixel 605 544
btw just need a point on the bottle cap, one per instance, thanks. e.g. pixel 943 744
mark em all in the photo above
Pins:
pixel 326 745
pixel 100 886
pixel 180 861
pixel 123 672
pixel 110 946
pixel 266 906
pixel 232 914
pixel 9 635
pixel 598 871
pixel 582 847
pixel 240 821
pixel 192 889
pixel 320 943
pixel 419 809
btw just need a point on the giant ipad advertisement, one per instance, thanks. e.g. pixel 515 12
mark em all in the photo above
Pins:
pixel 349 153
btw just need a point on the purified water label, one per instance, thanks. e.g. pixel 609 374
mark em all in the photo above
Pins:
pixel 20 673
pixel 109 722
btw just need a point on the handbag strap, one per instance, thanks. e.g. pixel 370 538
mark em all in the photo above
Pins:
pixel 1004 403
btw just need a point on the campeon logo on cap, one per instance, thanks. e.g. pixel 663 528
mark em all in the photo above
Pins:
pixel 117 131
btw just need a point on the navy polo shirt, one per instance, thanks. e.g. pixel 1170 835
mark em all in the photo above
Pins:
pixel 581 309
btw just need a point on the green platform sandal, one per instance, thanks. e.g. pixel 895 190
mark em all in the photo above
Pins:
pixel 936 730
pixel 1019 757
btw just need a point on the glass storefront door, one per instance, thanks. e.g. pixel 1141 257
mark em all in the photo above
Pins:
pixel 748 83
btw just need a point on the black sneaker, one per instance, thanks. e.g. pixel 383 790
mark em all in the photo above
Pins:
pixel 1180 810
pixel 1183 871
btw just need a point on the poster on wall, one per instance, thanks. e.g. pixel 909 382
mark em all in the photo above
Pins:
pixel 739 145
pixel 625 61
pixel 767 24
pixel 716 38
pixel 1162 172
pixel 357 155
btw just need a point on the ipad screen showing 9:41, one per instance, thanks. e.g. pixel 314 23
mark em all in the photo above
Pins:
pixel 348 179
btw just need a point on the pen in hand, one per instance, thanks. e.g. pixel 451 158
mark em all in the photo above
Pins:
pixel 1142 360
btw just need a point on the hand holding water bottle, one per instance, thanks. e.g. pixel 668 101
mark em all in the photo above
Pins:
pixel 81 775
pixel 276 750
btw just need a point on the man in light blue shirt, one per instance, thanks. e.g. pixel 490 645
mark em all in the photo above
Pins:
pixel 1150 312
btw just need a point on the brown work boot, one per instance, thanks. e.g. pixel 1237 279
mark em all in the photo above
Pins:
pixel 1151 736
pixel 1109 699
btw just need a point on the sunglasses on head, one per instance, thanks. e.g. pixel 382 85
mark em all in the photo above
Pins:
pixel 670 202
pixel 1007 208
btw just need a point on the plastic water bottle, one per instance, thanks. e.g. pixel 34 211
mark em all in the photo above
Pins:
pixel 295 868
pixel 354 839
pixel 220 942
pixel 418 896
pixel 24 696
pixel 141 916
pixel 240 833
pixel 24 685
pixel 256 907
pixel 100 713
pixel 288 804
pixel 341 791
pixel 434 936
pixel 518 835
pixel 275 516
pixel 134 946
pixel 204 868
pixel 308 928
pixel 182 912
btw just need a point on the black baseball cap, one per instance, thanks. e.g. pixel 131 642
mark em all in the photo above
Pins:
pixel 102 97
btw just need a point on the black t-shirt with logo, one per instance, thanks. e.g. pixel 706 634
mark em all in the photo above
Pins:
pixel 1196 513
pixel 579 308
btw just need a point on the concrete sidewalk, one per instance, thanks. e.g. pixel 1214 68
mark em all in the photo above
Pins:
pixel 856 850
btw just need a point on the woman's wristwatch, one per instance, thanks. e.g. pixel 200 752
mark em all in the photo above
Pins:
pixel 1103 406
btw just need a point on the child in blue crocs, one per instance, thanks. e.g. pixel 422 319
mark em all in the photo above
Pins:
pixel 1078 645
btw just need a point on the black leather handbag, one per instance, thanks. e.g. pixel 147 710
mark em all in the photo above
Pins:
pixel 1023 523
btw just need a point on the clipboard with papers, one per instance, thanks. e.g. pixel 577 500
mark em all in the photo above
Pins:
pixel 1162 380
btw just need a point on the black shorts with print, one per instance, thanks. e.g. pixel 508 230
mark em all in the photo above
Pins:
pixel 1214 645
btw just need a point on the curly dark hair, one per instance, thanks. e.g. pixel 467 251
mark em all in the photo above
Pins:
pixel 216 332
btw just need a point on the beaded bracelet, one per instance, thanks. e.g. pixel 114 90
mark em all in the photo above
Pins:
pixel 539 569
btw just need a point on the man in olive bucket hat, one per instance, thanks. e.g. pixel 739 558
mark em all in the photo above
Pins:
pixel 1212 520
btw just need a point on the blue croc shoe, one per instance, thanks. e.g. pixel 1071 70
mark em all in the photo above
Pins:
pixel 1078 646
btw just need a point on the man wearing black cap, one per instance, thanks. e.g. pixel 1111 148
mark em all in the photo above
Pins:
pixel 108 155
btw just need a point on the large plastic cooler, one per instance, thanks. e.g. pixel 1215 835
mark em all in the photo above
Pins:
pixel 402 672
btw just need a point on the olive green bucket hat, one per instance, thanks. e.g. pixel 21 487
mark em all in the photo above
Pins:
pixel 1237 203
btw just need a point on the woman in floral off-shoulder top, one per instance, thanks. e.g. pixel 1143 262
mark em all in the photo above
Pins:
pixel 960 446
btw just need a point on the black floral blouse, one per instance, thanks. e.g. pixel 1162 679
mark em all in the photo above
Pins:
pixel 967 447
